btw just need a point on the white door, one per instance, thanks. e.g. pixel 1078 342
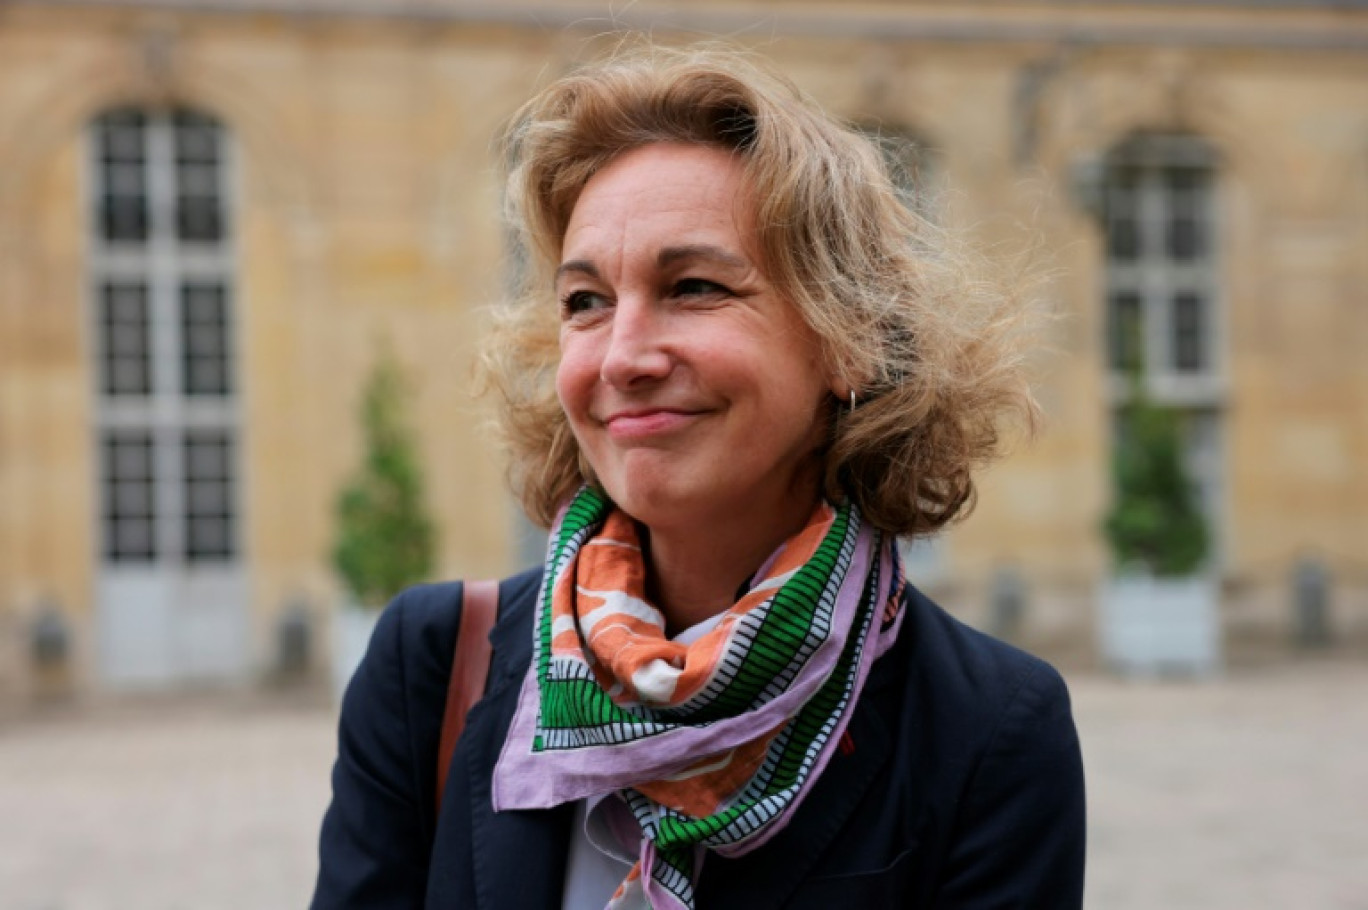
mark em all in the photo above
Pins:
pixel 171 592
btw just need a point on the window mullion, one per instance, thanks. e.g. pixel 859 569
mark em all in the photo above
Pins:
pixel 163 273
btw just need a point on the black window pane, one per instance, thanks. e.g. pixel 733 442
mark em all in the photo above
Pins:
pixel 208 454
pixel 1125 331
pixel 209 498
pixel 126 180
pixel 1185 239
pixel 1189 332
pixel 126 340
pixel 205 353
pixel 1184 181
pixel 199 178
pixel 209 513
pixel 126 367
pixel 129 496
pixel 133 500
pixel 199 219
pixel 127 377
pixel 1123 225
pixel 204 340
pixel 196 180
pixel 130 457
pixel 197 137
pixel 1186 189
pixel 121 134
pixel 209 538
pixel 123 219
pixel 205 377
pixel 131 539
pixel 1123 239
pixel 122 149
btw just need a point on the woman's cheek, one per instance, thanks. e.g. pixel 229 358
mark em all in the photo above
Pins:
pixel 575 378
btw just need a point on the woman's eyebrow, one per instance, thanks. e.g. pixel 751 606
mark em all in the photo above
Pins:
pixel 578 266
pixel 671 255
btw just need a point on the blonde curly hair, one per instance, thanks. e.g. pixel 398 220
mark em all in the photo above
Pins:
pixel 907 316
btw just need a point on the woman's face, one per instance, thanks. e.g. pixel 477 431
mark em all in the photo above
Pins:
pixel 695 391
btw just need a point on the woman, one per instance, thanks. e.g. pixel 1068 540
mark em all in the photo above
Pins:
pixel 719 691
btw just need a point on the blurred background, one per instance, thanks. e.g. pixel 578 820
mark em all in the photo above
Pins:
pixel 226 224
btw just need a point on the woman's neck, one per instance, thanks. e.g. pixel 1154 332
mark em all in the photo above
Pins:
pixel 694 572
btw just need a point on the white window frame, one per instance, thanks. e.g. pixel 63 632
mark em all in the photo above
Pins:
pixel 173 618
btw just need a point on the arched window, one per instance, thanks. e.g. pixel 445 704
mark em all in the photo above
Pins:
pixel 162 298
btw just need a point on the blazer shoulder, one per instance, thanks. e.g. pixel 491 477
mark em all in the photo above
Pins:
pixel 974 675
pixel 1016 820
pixel 423 617
pixel 422 622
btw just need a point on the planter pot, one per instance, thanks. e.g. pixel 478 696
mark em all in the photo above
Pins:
pixel 351 633
pixel 1161 626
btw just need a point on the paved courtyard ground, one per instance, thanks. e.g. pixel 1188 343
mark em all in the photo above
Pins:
pixel 1248 792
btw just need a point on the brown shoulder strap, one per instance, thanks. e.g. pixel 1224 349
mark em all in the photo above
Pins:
pixel 469 669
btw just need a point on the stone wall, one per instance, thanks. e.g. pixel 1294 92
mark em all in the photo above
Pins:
pixel 366 214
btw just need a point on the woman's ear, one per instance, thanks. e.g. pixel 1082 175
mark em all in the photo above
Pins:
pixel 841 388
pixel 842 381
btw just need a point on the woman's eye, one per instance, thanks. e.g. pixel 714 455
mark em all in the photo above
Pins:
pixel 581 301
pixel 697 287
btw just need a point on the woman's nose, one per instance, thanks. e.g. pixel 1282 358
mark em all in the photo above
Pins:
pixel 637 353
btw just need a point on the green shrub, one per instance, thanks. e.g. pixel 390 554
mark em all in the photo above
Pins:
pixel 385 539
pixel 1155 523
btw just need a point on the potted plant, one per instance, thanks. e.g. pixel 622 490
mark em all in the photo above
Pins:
pixel 1160 607
pixel 385 538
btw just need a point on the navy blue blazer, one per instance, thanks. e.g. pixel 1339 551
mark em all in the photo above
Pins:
pixel 960 786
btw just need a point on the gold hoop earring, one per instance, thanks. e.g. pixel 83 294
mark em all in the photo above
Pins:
pixel 852 401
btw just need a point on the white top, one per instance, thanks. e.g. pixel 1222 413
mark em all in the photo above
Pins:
pixel 597 865
pixel 597 862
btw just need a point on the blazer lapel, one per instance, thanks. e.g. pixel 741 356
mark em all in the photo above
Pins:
pixel 768 877
pixel 518 857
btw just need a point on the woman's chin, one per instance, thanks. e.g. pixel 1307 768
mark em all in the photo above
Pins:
pixel 649 504
pixel 661 500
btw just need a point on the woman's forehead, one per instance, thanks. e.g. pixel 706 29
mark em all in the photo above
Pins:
pixel 659 195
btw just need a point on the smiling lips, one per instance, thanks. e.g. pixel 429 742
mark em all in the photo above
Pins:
pixel 646 422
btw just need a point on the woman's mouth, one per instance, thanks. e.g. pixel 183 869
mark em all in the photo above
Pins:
pixel 646 422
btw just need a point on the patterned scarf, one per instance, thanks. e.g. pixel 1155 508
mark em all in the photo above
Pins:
pixel 712 744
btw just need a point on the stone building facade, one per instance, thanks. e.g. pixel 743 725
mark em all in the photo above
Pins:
pixel 214 213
